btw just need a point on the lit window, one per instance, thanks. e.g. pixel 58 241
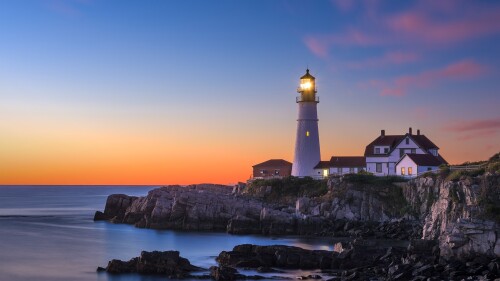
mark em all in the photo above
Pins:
pixel 402 171
pixel 307 133
pixel 325 173
pixel 409 170
pixel 276 172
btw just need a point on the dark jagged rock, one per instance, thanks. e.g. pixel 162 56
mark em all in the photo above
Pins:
pixel 252 256
pixel 168 263
pixel 363 260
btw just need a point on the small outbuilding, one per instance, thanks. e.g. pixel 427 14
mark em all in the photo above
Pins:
pixel 273 168
pixel 339 165
pixel 411 165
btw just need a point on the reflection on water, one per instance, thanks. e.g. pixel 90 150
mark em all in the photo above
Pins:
pixel 47 233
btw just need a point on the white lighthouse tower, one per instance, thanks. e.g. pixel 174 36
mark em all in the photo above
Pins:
pixel 307 154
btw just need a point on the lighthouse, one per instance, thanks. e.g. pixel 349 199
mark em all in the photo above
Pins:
pixel 307 154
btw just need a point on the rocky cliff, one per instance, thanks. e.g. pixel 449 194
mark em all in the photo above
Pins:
pixel 458 213
pixel 462 214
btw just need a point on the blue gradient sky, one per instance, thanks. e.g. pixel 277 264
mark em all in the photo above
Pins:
pixel 191 91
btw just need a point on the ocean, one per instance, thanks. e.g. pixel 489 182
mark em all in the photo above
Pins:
pixel 47 233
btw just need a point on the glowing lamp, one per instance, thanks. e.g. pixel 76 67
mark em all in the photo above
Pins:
pixel 305 84
pixel 307 88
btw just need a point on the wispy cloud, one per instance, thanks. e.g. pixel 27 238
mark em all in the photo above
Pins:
pixel 474 129
pixel 425 23
pixel 460 70
pixel 473 125
pixel 418 26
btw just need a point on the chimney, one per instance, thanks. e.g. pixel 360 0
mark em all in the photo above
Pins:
pixel 418 132
pixel 409 131
pixel 382 133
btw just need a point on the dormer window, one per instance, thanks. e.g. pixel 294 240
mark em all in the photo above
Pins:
pixel 386 150
pixel 377 150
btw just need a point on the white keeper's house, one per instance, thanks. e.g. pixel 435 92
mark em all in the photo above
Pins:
pixel 385 152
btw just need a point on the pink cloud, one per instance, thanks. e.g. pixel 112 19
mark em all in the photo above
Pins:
pixel 477 135
pixel 459 70
pixel 416 25
pixel 473 125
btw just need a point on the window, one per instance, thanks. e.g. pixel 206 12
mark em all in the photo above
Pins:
pixel 407 141
pixel 402 171
pixel 276 172
pixel 325 173
pixel 263 171
pixel 377 150
pixel 386 150
pixel 429 168
pixel 339 170
pixel 401 152
pixel 378 167
pixel 414 150
pixel 307 133
pixel 351 170
pixel 409 171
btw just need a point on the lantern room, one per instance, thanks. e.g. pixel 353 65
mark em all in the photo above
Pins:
pixel 307 88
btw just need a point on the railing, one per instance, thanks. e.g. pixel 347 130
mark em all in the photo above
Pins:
pixel 301 99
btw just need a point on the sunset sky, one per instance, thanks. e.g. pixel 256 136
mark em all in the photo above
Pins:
pixel 179 92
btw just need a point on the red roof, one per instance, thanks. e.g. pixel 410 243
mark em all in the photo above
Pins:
pixel 343 161
pixel 348 161
pixel 273 163
pixel 425 159
pixel 322 165
pixel 394 140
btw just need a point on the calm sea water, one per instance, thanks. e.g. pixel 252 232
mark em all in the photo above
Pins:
pixel 48 233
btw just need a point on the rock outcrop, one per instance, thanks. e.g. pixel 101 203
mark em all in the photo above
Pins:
pixel 168 263
pixel 453 213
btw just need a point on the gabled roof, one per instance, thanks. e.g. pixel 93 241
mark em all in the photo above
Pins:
pixel 322 165
pixel 387 140
pixel 342 161
pixel 347 161
pixel 394 140
pixel 273 163
pixel 424 159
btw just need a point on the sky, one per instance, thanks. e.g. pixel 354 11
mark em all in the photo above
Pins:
pixel 193 91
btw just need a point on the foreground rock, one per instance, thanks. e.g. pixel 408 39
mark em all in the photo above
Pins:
pixel 168 263
pixel 362 260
